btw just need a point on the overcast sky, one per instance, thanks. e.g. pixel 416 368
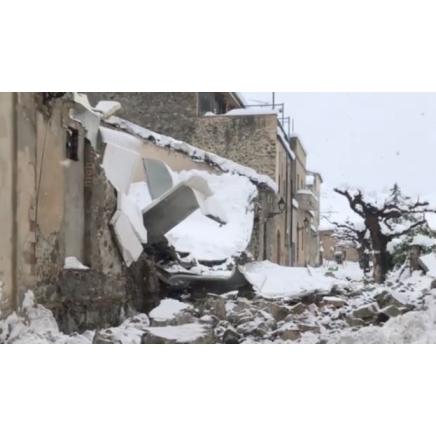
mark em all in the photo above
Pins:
pixel 369 140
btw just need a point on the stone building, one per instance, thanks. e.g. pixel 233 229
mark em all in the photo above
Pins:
pixel 58 204
pixel 306 191
pixel 332 248
pixel 220 123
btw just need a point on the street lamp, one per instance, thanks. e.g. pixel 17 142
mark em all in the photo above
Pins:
pixel 281 204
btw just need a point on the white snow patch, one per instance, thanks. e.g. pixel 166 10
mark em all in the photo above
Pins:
pixel 130 331
pixel 35 324
pixel 423 241
pixel 74 263
pixel 274 281
pixel 251 111
pixel 345 271
pixel 207 239
pixel 429 262
pixel 182 333
pixel 168 309
pixel 107 108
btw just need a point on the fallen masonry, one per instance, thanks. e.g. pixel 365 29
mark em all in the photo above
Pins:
pixel 231 319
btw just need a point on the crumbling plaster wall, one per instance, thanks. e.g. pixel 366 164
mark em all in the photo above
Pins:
pixel 50 210
pixel 7 200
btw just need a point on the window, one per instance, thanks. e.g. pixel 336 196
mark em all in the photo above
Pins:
pixel 212 102
pixel 72 145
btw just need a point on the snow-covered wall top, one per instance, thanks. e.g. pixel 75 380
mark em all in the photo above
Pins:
pixel 194 153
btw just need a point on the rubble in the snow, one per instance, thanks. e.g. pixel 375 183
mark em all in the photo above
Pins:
pixel 351 311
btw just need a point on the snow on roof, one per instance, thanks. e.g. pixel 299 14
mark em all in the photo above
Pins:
pixel 310 180
pixel 285 143
pixel 107 108
pixel 194 153
pixel 240 97
pixel 307 192
pixel 250 111
pixel 298 140
pixel 325 225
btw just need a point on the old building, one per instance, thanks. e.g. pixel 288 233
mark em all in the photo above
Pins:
pixel 70 231
pixel 220 123
pixel 306 191
pixel 57 205
pixel 333 249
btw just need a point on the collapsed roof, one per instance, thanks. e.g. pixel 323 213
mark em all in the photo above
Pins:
pixel 206 218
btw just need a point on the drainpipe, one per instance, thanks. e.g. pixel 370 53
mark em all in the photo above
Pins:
pixel 14 278
pixel 292 222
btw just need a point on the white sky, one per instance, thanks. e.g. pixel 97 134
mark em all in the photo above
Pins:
pixel 369 140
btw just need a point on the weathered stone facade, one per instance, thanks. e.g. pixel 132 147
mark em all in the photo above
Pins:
pixel 330 245
pixel 53 210
pixel 250 140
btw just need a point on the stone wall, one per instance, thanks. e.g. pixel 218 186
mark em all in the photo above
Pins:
pixel 103 295
pixel 262 245
pixel 50 210
pixel 250 140
pixel 169 113
pixel 330 245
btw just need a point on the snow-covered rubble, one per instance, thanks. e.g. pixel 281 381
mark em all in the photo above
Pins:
pixel 274 281
pixel 35 324
pixel 353 310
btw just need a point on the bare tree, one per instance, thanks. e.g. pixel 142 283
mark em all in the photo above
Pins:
pixel 382 224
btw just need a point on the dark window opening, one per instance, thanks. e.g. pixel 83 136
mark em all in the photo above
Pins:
pixel 212 102
pixel 72 145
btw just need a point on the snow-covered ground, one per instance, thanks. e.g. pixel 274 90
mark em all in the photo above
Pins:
pixel 274 281
pixel 331 304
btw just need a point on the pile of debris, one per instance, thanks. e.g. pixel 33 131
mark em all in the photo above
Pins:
pixel 350 307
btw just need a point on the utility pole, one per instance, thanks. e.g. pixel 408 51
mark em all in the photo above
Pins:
pixel 273 100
